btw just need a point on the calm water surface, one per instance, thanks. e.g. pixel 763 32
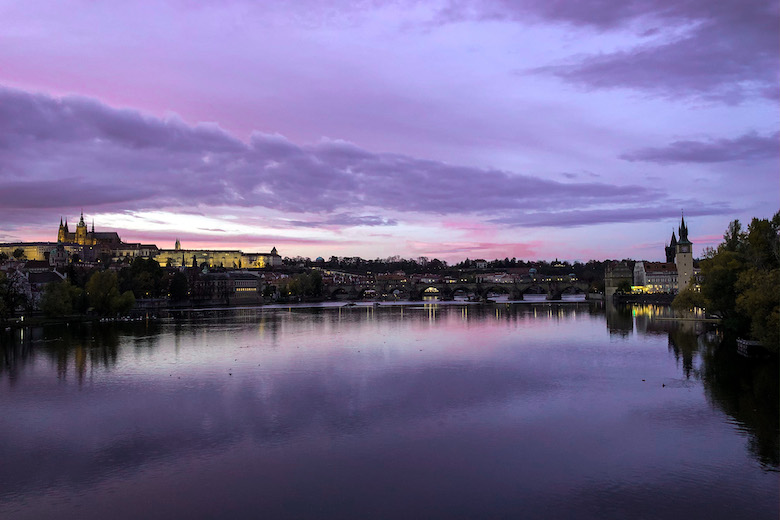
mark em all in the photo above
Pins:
pixel 448 411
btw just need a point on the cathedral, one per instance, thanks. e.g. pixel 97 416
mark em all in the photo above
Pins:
pixel 84 237
pixel 91 246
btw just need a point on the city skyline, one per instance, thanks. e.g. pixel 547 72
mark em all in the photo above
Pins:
pixel 451 130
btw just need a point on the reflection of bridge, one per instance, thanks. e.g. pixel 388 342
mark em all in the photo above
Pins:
pixel 447 291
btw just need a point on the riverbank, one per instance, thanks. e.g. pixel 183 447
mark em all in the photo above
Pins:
pixel 665 299
pixel 144 313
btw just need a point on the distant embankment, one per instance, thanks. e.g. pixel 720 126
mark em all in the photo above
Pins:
pixel 643 298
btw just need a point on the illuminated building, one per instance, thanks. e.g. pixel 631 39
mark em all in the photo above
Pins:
pixel 231 259
pixel 673 275
pixel 92 246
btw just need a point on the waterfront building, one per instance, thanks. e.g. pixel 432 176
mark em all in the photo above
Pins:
pixel 683 258
pixel 673 275
pixel 617 273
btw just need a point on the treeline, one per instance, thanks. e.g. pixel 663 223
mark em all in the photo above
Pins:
pixel 740 281
pixel 105 293
pixel 100 295
pixel 591 271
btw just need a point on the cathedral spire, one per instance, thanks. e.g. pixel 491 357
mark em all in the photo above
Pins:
pixel 683 231
pixel 81 221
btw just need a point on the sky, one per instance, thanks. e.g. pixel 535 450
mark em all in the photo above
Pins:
pixel 535 129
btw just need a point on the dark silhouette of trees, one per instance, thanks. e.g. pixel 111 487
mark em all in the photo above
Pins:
pixel 740 280
pixel 12 296
pixel 179 289
pixel 63 299
pixel 104 297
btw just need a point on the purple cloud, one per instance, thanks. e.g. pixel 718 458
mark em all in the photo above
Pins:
pixel 727 49
pixel 346 220
pixel 576 218
pixel 744 148
pixel 80 152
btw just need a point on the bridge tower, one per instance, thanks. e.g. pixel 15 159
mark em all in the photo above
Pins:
pixel 684 257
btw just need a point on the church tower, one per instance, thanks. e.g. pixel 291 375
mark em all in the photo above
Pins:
pixel 671 249
pixel 684 257
pixel 62 233
pixel 81 231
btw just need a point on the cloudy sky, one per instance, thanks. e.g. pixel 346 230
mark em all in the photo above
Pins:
pixel 450 129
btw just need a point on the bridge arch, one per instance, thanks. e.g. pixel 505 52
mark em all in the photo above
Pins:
pixel 339 293
pixel 534 288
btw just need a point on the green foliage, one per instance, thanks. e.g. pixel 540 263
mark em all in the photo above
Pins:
pixel 104 297
pixel 62 299
pixel 758 299
pixel 307 285
pixel 624 287
pixel 732 239
pixel 145 278
pixel 124 303
pixel 719 287
pixel 741 280
pixel 179 288
pixel 689 299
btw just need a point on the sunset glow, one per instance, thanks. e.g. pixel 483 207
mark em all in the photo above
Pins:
pixel 446 129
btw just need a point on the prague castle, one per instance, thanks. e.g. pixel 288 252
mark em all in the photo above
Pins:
pixel 90 246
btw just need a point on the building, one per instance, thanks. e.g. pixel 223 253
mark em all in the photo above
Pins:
pixel 617 274
pixel 83 237
pixel 683 259
pixel 671 276
pixel 93 247
pixel 230 259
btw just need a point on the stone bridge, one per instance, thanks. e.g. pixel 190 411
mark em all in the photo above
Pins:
pixel 447 291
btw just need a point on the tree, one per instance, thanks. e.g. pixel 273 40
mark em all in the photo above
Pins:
pixel 306 285
pixel 144 277
pixel 757 289
pixel 18 253
pixel 720 275
pixel 62 299
pixel 688 299
pixel 104 297
pixel 741 277
pixel 12 296
pixel 179 288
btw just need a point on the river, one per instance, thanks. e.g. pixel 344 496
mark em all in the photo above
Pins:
pixel 534 410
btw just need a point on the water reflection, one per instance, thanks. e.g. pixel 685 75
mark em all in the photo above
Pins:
pixel 746 390
pixel 456 410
